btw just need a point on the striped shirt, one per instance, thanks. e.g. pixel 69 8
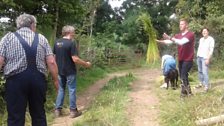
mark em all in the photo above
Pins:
pixel 14 54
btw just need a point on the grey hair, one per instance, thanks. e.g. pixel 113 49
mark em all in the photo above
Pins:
pixel 25 20
pixel 67 29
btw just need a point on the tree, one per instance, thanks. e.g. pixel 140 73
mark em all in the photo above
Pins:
pixel 130 11
pixel 51 15
pixel 205 13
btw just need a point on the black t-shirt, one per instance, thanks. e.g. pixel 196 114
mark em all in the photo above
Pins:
pixel 64 49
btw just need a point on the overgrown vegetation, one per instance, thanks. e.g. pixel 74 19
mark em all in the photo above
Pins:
pixel 177 112
pixel 108 108
pixel 112 37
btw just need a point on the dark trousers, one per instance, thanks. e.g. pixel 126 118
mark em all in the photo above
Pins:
pixel 184 68
pixel 27 87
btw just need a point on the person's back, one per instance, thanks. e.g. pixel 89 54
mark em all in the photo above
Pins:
pixel 168 63
pixel 64 49
pixel 66 58
pixel 26 55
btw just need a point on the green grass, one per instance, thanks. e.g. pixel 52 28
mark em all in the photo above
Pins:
pixel 108 108
pixel 177 112
pixel 87 77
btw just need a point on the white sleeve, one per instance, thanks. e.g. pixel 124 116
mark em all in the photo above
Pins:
pixel 181 41
pixel 167 41
pixel 163 58
pixel 211 46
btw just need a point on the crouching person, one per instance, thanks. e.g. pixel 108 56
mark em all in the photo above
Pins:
pixel 170 72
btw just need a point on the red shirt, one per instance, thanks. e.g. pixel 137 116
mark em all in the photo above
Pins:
pixel 186 51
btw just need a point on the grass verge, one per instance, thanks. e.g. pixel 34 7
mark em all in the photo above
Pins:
pixel 108 108
pixel 177 112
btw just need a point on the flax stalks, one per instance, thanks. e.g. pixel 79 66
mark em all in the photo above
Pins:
pixel 152 52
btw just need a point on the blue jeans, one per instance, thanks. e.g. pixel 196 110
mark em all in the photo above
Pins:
pixel 203 71
pixel 70 80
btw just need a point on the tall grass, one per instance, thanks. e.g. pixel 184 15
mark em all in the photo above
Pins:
pixel 108 108
pixel 85 78
pixel 177 112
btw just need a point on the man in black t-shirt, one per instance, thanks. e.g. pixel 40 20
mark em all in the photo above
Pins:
pixel 67 57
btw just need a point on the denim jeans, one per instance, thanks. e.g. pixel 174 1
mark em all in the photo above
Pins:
pixel 184 69
pixel 69 80
pixel 203 71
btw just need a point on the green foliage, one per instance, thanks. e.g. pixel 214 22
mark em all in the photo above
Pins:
pixel 176 112
pixel 158 10
pixel 86 77
pixel 2 101
pixel 102 50
pixel 131 34
pixel 203 13
pixel 105 20
pixel 184 112
pixel 50 14
pixel 108 106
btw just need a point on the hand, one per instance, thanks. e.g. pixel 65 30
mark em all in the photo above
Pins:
pixel 88 64
pixel 165 36
pixel 206 61
pixel 167 42
pixel 160 41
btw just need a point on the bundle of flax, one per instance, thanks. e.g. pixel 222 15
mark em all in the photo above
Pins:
pixel 152 52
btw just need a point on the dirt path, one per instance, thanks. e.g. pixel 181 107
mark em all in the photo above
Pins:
pixel 141 109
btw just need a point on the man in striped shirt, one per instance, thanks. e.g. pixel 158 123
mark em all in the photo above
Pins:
pixel 26 55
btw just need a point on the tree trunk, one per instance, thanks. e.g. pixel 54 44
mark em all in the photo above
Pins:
pixel 55 25
pixel 210 121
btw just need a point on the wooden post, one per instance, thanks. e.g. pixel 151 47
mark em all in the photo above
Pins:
pixel 210 121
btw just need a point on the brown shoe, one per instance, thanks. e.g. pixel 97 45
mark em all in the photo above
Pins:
pixel 57 112
pixel 75 113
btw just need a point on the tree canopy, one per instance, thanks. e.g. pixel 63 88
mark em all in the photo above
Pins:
pixel 93 17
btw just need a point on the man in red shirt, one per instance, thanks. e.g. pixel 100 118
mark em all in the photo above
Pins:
pixel 185 41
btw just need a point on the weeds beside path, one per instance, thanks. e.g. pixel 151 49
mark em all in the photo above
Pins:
pixel 84 99
pixel 142 108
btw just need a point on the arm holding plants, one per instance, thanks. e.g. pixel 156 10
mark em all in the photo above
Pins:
pixel 167 39
pixel 182 41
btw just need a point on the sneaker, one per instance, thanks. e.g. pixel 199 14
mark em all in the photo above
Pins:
pixel 199 86
pixel 164 85
pixel 75 113
pixel 206 89
pixel 57 112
